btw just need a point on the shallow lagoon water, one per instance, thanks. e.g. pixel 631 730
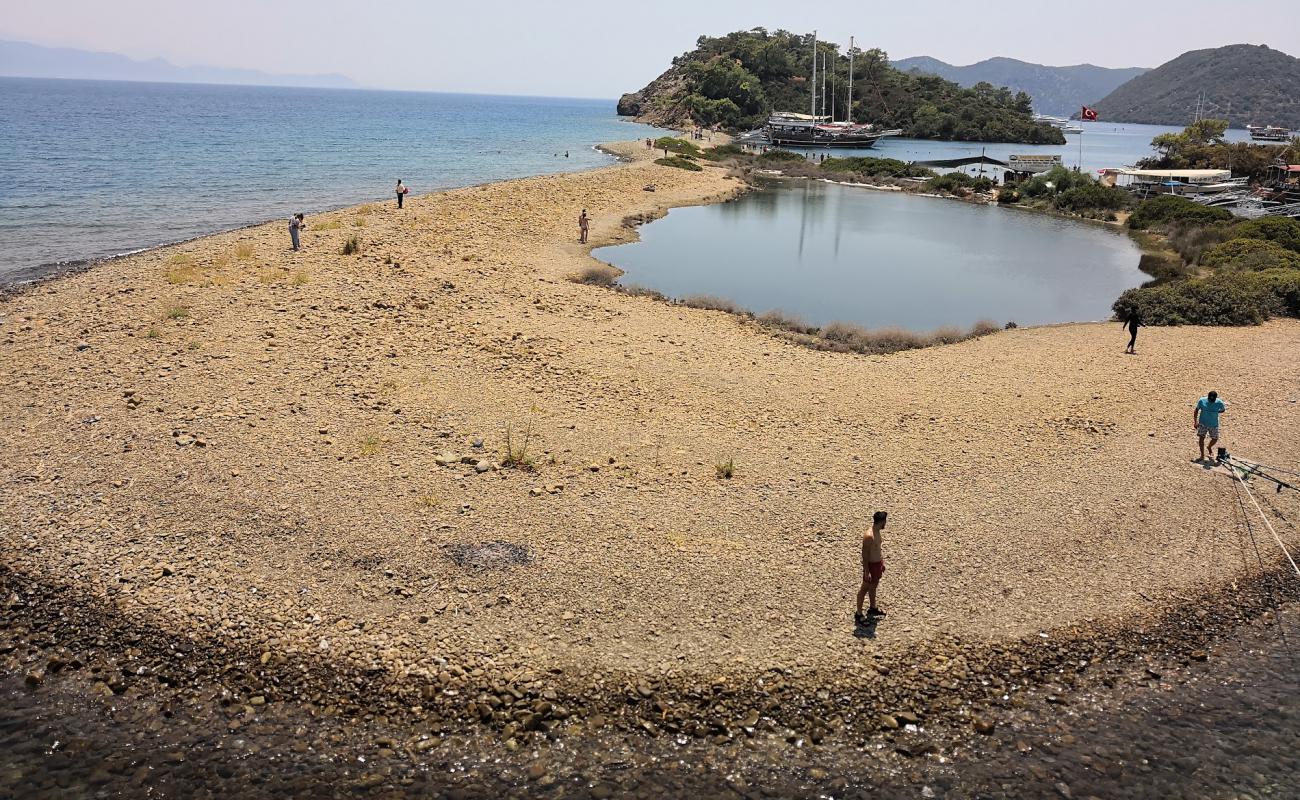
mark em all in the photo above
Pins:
pixel 827 252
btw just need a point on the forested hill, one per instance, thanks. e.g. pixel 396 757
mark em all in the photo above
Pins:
pixel 1248 83
pixel 1055 90
pixel 736 80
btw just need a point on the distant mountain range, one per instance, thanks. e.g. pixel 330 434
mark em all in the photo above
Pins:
pixel 26 60
pixel 1059 91
pixel 1243 83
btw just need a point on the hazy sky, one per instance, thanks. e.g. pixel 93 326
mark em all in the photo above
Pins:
pixel 584 48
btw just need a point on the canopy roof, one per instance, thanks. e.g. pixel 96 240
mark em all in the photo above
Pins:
pixel 1185 174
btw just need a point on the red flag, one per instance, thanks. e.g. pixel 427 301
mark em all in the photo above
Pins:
pixel 1088 114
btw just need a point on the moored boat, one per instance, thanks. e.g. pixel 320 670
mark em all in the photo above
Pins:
pixel 1268 133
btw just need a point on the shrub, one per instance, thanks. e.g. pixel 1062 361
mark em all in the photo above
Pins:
pixel 1284 285
pixel 1008 195
pixel 1283 230
pixel 1224 299
pixel 1090 197
pixel 723 151
pixel 781 155
pixel 777 318
pixel 1169 209
pixel 637 290
pixel 352 246
pixel 953 181
pixel 681 162
pixel 178 312
pixel 709 302
pixel 516 453
pixel 597 275
pixel 1250 254
pixel 725 470
pixel 1191 241
pixel 679 146
pixel 875 167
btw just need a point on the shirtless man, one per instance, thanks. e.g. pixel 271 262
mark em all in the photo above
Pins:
pixel 873 567
pixel 583 225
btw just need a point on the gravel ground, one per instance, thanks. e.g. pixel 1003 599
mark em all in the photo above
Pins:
pixel 294 463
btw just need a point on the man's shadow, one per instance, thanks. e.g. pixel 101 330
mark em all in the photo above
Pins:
pixel 866 629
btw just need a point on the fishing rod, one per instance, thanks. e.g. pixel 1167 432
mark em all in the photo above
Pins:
pixel 1251 468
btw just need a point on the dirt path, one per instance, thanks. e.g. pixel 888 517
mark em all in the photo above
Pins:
pixel 249 447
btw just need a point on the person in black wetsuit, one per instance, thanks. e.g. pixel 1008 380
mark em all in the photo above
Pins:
pixel 1132 323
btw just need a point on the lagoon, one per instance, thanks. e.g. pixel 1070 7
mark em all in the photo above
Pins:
pixel 828 252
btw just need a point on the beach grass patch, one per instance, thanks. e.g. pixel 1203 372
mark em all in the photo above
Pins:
pixel 192 345
pixel 331 225
pixel 178 312
pixel 517 453
pixel 152 333
pixel 359 222
pixel 352 246
pixel 299 278
pixel 725 470
pixel 710 302
pixel 244 251
pixel 427 501
pixel 366 210
pixel 680 162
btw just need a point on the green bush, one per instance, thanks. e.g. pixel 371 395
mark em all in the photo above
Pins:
pixel 781 155
pixel 1283 230
pixel 681 162
pixel 1055 181
pixel 1234 298
pixel 1091 197
pixel 679 146
pixel 958 180
pixel 1250 254
pixel 1285 288
pixel 723 151
pixel 1008 195
pixel 875 167
pixel 1167 209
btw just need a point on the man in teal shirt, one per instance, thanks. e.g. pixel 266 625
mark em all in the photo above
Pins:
pixel 1206 419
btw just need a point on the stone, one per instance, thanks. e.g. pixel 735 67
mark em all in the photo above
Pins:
pixel 35 677
pixel 907 718
pixel 446 459
pixel 593 467
pixel 477 443
pixel 535 771
pixel 483 466
pixel 888 722
pixel 83 346
pixel 984 726
pixel 1200 655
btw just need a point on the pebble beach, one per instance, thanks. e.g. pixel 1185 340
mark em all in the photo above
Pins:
pixel 439 482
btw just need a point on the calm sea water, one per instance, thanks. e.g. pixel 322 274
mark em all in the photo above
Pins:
pixel 827 253
pixel 90 169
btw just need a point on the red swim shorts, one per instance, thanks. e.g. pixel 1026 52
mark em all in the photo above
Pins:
pixel 875 569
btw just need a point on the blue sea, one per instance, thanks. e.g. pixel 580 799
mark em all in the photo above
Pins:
pixel 90 169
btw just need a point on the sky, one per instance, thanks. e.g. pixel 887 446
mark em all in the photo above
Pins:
pixel 583 48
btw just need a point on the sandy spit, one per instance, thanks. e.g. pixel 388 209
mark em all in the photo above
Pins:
pixel 280 453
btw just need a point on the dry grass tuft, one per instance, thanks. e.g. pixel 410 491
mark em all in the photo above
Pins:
pixel 517 453
pixel 776 318
pixel 725 470
pixel 244 251
pixel 178 312
pixel 331 225
pixel 370 444
pixel 359 222
pixel 710 302
pixel 352 246
pixel 597 275
pixel 299 278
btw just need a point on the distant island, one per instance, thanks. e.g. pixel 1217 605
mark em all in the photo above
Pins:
pixel 27 60
pixel 735 81
pixel 1243 83
pixel 1055 90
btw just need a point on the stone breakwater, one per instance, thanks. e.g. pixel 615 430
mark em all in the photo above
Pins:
pixel 436 479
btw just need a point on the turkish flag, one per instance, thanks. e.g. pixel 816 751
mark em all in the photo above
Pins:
pixel 1088 114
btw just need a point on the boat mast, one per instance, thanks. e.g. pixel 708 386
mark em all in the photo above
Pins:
pixel 849 116
pixel 813 80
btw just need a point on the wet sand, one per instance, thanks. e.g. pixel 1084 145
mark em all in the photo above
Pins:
pixel 294 463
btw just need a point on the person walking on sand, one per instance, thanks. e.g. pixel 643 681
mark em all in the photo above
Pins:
pixel 1132 323
pixel 296 224
pixel 401 192
pixel 1206 419
pixel 873 567
pixel 583 225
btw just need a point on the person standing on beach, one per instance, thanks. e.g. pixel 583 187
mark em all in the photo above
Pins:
pixel 1132 323
pixel 1206 419
pixel 296 224
pixel 873 567
pixel 401 192
pixel 583 225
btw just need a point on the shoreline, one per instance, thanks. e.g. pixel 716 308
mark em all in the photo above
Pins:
pixel 307 533
pixel 42 273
